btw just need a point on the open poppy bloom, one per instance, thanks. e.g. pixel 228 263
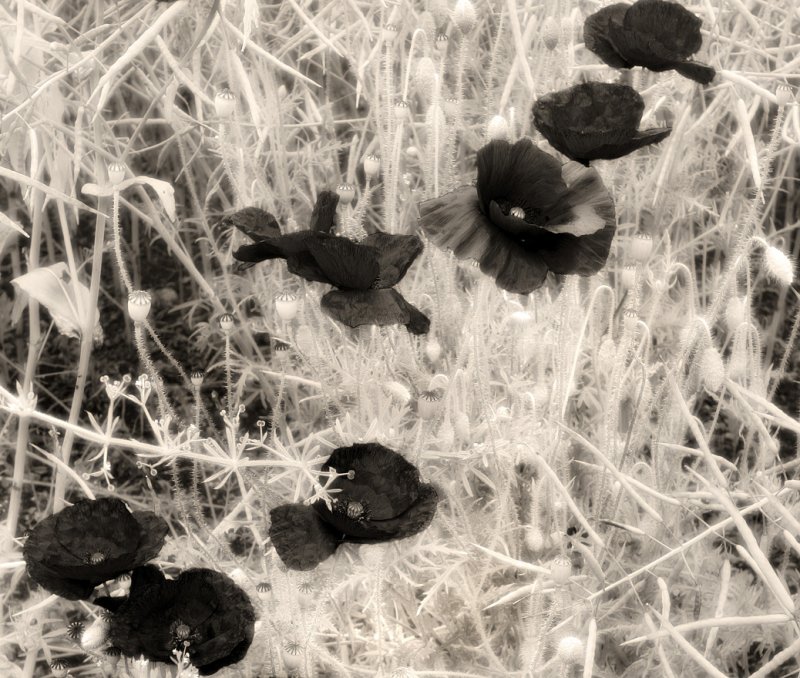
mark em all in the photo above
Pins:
pixel 594 121
pixel 528 215
pixel 202 611
pixel 91 542
pixel 362 271
pixel 384 500
pixel 655 34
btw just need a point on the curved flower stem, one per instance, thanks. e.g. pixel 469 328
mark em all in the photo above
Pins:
pixel 123 271
pixel 229 374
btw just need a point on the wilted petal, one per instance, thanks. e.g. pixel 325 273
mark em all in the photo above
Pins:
pixel 346 264
pixel 671 30
pixel 597 34
pixel 324 214
pixel 253 222
pixel 300 538
pixel 355 308
pixel 396 253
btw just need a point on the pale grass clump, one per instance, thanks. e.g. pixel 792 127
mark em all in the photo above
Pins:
pixel 618 496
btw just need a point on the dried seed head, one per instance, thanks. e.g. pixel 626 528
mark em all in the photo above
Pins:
pixel 224 103
pixel 778 266
pixel 570 650
pixel 197 377
pixel 346 193
pixel 497 129
pixel 464 16
pixel 286 304
pixel 139 303
pixel 75 630
pixel 372 166
pixel 116 173
pixel 263 587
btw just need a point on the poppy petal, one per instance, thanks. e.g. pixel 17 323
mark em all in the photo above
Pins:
pixel 55 582
pixel 301 539
pixel 518 175
pixel 396 253
pixel 672 29
pixel 153 530
pixel 253 222
pixel 696 71
pixel 305 266
pixel 355 308
pixel 275 248
pixel 348 265
pixel 587 206
pixel 323 216
pixel 597 31
pixel 455 222
pixel 418 516
pixel 225 649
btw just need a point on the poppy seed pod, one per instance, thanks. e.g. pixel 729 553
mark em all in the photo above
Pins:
pixel 389 33
pixel 450 106
pixel 224 103
pixel 372 165
pixel 139 303
pixel 429 404
pixel 784 95
pixel 464 16
pixel 75 630
pixel 346 192
pixel 778 266
pixel 640 247
pixel 402 111
pixel 197 378
pixel 497 129
pixel 441 43
pixel 570 650
pixel 286 305
pixel 116 173
pixel 627 277
pixel 292 653
pixel 561 570
pixel 226 322
pixel 95 635
pixel 59 668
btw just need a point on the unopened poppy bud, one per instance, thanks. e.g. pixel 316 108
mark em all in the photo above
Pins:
pixel 627 277
pixel 372 165
pixel 433 350
pixel 497 129
pixel 428 405
pixel 197 378
pixel 59 668
pixel 736 313
pixel 712 369
pixel 116 173
pixel 95 635
pixel 441 43
pixel 389 33
pixel 570 650
pixel 425 75
pixel 286 305
pixel 464 16
pixel 402 111
pixel 550 33
pixel 640 247
pixel 412 152
pixel 561 570
pixel 784 95
pixel 282 92
pixel 778 265
pixel 224 103
pixel 226 322
pixel 398 392
pixel 139 303
pixel 346 193
pixel 534 539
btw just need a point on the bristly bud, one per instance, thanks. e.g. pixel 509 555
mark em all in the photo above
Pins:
pixel 497 129
pixel 737 312
pixel 429 404
pixel 561 570
pixel 425 75
pixel 116 173
pixel 784 94
pixel 389 33
pixel 226 322
pixel 372 166
pixel 712 369
pixel 139 303
pixel 550 31
pixel 286 305
pixel 640 247
pixel 778 265
pixel 464 16
pixel 197 378
pixel 398 392
pixel 534 539
pixel 96 635
pixel 570 650
pixel 402 111
pixel 346 192
pixel 224 103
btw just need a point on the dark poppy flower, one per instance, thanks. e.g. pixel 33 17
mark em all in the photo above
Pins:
pixel 654 34
pixel 362 271
pixel 594 121
pixel 202 611
pixel 383 500
pixel 91 542
pixel 527 215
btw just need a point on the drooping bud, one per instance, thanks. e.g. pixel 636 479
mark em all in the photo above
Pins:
pixel 224 103
pixel 286 305
pixel 712 369
pixel 346 192
pixel 736 313
pixel 429 404
pixel 226 322
pixel 550 33
pixel 570 650
pixel 372 166
pixel 116 173
pixel 497 129
pixel 464 16
pixel 640 247
pixel 139 303
pixel 197 378
pixel 778 266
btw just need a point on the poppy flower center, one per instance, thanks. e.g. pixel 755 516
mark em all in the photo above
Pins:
pixel 182 631
pixel 355 509
pixel 517 212
pixel 96 558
